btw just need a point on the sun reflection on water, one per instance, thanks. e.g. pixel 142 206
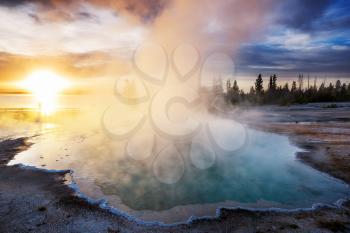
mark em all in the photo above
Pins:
pixel 46 86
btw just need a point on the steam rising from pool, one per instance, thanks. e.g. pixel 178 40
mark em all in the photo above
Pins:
pixel 153 178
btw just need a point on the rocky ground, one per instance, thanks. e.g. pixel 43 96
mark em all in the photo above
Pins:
pixel 323 132
pixel 33 200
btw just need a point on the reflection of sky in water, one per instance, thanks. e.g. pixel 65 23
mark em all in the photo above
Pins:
pixel 29 101
pixel 265 171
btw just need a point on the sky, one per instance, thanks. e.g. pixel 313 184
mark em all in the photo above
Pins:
pixel 86 38
pixel 308 36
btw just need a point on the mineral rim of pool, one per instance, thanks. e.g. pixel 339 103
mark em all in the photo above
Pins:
pixel 265 173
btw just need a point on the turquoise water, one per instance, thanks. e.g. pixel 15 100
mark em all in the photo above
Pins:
pixel 264 173
pixel 265 170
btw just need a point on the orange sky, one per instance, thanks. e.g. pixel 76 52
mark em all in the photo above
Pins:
pixel 90 39
pixel 80 68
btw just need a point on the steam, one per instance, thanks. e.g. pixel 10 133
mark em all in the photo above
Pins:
pixel 210 24
pixel 170 131
pixel 145 130
pixel 207 24
pixel 186 33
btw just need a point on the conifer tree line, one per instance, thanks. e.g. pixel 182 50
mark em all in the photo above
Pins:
pixel 301 91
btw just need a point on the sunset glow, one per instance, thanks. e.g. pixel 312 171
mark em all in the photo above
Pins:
pixel 45 85
pixel 174 116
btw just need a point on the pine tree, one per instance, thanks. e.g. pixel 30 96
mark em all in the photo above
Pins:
pixel 301 81
pixel 270 83
pixel 274 82
pixel 343 92
pixel 235 87
pixel 259 85
pixel 322 87
pixel 252 91
pixel 338 86
pixel 294 87
pixel 285 96
pixel 234 96
pixel 330 86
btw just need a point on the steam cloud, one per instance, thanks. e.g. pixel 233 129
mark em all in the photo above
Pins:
pixel 218 26
pixel 224 23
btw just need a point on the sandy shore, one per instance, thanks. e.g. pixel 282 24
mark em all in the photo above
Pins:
pixel 34 200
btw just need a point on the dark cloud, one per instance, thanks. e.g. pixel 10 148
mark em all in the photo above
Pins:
pixel 44 3
pixel 301 14
pixel 12 3
pixel 312 17
pixel 85 15
pixel 337 17
pixel 257 58
pixel 336 23
pixel 35 17
pixel 327 51
pixel 145 10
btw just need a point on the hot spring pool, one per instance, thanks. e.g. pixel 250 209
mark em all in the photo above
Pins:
pixel 265 173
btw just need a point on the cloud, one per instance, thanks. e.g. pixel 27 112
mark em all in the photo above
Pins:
pixel 95 29
pixel 83 26
pixel 290 40
pixel 340 47
pixel 253 59
pixel 305 36
pixel 211 25
pixel 144 10
pixel 301 14
pixel 290 35
pixel 294 40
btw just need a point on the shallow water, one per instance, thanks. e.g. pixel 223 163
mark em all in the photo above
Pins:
pixel 264 173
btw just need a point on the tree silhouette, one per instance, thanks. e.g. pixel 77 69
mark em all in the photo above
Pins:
pixel 300 81
pixel 274 82
pixel 294 87
pixel 270 84
pixel 283 94
pixel 235 87
pixel 259 85
pixel 338 86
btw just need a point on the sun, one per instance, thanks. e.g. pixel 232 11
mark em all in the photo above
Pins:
pixel 45 85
